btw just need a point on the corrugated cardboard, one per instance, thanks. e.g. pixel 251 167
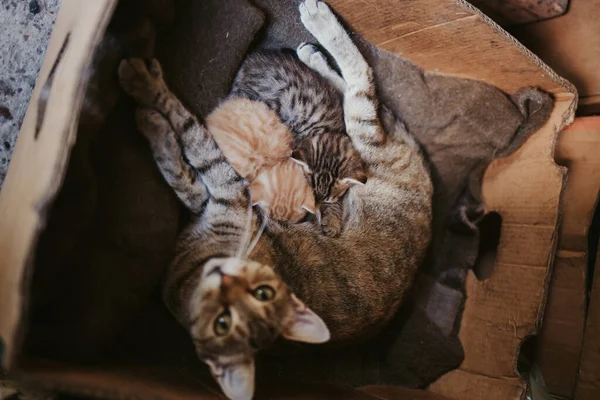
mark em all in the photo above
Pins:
pixel 588 382
pixel 514 12
pixel 446 36
pixel 560 340
pixel 570 45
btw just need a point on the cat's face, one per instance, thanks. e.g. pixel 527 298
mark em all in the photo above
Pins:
pixel 283 192
pixel 331 165
pixel 239 308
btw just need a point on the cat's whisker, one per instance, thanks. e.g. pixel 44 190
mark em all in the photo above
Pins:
pixel 257 237
pixel 244 242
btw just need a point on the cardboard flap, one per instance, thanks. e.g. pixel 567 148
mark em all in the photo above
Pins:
pixel 501 311
pixel 42 151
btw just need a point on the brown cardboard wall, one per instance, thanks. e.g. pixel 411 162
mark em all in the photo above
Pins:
pixel 588 382
pixel 560 340
pixel 570 45
pixel 504 309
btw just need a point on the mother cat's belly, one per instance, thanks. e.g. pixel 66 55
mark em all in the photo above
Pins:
pixel 355 282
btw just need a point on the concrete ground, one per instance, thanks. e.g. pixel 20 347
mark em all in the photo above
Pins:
pixel 25 27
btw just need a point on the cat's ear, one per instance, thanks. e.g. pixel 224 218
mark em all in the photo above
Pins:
pixel 356 177
pixel 309 203
pixel 236 380
pixel 305 325
pixel 354 172
pixel 353 181
pixel 257 194
pixel 299 157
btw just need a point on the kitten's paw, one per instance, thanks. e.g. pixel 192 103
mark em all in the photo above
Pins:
pixel 305 51
pixel 310 55
pixel 141 82
pixel 331 226
pixel 318 18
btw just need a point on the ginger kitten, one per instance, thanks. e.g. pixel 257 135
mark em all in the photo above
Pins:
pixel 258 146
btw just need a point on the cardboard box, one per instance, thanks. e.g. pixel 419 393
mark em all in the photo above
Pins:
pixel 560 340
pixel 570 45
pixel 447 36
pixel 588 383
pixel 514 12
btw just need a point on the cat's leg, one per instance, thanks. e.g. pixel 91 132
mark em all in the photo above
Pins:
pixel 146 85
pixel 332 218
pixel 360 98
pixel 167 153
pixel 311 56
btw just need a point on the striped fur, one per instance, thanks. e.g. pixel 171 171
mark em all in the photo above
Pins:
pixel 258 146
pixel 354 282
pixel 312 109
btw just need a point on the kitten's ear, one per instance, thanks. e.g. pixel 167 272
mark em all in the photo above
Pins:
pixel 305 326
pixel 257 194
pixel 352 181
pixel 299 157
pixel 309 203
pixel 236 380
pixel 355 173
pixel 357 177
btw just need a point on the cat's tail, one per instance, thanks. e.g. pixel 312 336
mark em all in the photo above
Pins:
pixel 395 128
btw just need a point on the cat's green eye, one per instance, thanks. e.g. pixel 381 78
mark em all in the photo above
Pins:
pixel 222 324
pixel 264 293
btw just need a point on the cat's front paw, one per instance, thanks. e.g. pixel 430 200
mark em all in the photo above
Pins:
pixel 151 123
pixel 318 18
pixel 143 83
pixel 331 226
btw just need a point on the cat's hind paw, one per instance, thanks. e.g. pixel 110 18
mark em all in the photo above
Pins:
pixel 305 51
pixel 310 55
pixel 318 18
pixel 140 81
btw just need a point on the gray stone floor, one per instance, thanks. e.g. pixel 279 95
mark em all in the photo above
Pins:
pixel 25 27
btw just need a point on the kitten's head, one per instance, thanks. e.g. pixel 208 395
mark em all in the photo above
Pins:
pixel 239 308
pixel 331 165
pixel 283 192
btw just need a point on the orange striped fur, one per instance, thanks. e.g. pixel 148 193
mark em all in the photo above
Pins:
pixel 258 146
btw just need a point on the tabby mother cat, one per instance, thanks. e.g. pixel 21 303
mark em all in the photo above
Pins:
pixel 235 304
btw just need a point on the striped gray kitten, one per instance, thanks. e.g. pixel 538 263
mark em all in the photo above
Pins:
pixel 234 303
pixel 312 108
